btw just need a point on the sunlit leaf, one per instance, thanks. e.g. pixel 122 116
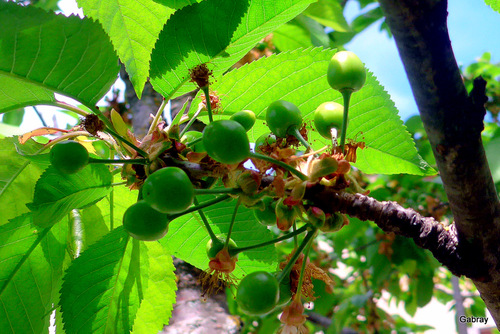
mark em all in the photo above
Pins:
pixel 300 77
pixel 219 32
pixel 43 53
pixel 56 194
pixel 31 261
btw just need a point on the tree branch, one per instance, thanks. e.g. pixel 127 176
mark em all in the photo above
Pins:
pixel 453 121
pixel 392 217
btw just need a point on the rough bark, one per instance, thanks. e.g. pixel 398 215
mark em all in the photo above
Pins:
pixel 141 108
pixel 453 121
pixel 191 314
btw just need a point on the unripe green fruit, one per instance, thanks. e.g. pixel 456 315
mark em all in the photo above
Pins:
pixel 258 293
pixel 212 249
pixel 285 291
pixel 267 216
pixel 144 223
pixel 245 117
pixel 327 116
pixel 69 157
pixel 282 116
pixel 191 136
pixel 168 190
pixel 346 72
pixel 265 139
pixel 226 141
pixel 333 223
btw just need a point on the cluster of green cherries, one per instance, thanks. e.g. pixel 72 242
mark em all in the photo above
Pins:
pixel 169 193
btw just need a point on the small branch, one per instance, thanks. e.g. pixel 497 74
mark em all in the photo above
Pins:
pixel 392 217
pixel 40 116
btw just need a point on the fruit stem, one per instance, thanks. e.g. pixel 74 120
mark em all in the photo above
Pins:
pixel 346 95
pixel 69 107
pixel 119 161
pixel 302 270
pixel 295 241
pixel 158 115
pixel 209 106
pixel 217 191
pixel 279 163
pixel 106 121
pixel 191 121
pixel 296 133
pixel 296 255
pixel 238 250
pixel 211 233
pixel 200 206
pixel 191 143
pixel 233 219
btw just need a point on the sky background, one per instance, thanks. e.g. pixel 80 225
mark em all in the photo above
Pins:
pixel 473 27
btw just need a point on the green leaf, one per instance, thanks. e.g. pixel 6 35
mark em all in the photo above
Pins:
pixel 187 237
pixel 133 27
pixel 93 225
pixel 219 32
pixel 329 13
pixel 495 4
pixel 43 53
pixel 492 150
pixel 14 117
pixel 425 288
pixel 300 77
pixel 30 271
pixel 301 32
pixel 177 4
pixel 103 288
pixel 114 205
pixel 17 178
pixel 156 307
pixel 57 194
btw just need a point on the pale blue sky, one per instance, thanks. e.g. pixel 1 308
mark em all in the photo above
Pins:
pixel 473 28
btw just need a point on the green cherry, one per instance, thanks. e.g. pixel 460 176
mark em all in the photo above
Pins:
pixel 69 157
pixel 327 116
pixel 144 223
pixel 282 117
pixel 245 117
pixel 168 190
pixel 346 72
pixel 226 141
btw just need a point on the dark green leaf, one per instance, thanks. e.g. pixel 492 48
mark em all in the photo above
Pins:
pixel 31 263
pixel 57 194
pixel 103 288
pixel 425 288
pixel 187 238
pixel 14 117
pixel 329 13
pixel 17 177
pixel 133 27
pixel 43 53
pixel 219 32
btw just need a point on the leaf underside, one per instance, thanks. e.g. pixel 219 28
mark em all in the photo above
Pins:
pixel 43 53
pixel 300 77
pixel 31 263
pixel 220 32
